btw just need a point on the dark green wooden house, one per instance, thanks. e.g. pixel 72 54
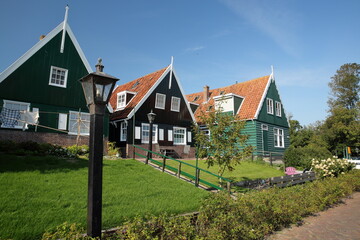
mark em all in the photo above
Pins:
pixel 258 103
pixel 44 82
pixel 162 93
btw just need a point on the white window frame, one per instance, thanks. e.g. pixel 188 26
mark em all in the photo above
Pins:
pixel 51 83
pixel 122 104
pixel 25 107
pixel 175 104
pixel 170 135
pixel 137 132
pixel 269 106
pixel 189 137
pixel 143 130
pixel 264 127
pixel 278 108
pixel 160 101
pixel 123 131
pixel 85 123
pixel 279 138
pixel 161 134
pixel 176 134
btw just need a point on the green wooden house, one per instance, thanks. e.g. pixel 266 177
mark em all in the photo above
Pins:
pixel 258 103
pixel 44 82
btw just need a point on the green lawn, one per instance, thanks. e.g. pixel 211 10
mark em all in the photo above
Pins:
pixel 39 193
pixel 246 170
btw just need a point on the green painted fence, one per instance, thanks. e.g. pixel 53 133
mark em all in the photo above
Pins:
pixel 198 172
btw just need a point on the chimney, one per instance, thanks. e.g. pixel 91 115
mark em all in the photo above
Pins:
pixel 206 93
pixel 42 37
pixel 99 67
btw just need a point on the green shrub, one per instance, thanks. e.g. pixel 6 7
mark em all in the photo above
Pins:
pixel 7 146
pixel 76 150
pixel 112 150
pixel 302 156
pixel 66 231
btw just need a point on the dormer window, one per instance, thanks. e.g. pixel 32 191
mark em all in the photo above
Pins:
pixel 121 100
pixel 228 103
pixel 278 108
pixel 58 77
pixel 269 106
pixel 160 101
pixel 222 92
pixel 196 98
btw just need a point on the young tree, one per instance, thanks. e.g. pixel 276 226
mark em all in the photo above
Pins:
pixel 226 146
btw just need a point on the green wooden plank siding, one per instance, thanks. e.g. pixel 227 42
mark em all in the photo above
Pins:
pixel 30 82
pixel 272 118
pixel 270 141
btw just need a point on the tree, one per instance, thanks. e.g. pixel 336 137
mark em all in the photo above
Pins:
pixel 342 127
pixel 226 146
pixel 345 87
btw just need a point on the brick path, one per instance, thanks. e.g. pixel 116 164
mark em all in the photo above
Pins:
pixel 341 222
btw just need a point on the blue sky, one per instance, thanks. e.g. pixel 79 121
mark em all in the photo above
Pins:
pixel 214 42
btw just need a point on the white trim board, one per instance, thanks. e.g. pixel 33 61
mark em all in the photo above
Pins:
pixel 42 43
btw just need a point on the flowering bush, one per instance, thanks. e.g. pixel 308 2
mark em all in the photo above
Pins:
pixel 331 167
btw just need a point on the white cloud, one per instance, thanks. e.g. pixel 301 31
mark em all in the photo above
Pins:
pixel 273 19
pixel 194 49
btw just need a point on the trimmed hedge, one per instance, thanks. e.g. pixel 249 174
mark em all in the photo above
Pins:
pixel 251 216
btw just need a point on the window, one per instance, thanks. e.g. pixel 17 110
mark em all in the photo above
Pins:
pixel 189 137
pixel 270 106
pixel 278 108
pixel 170 135
pixel 278 137
pixel 123 131
pixel 179 136
pixel 137 132
pixel 175 104
pixel 145 129
pixel 264 127
pixel 121 100
pixel 161 134
pixel 12 114
pixel 160 101
pixel 58 77
pixel 79 123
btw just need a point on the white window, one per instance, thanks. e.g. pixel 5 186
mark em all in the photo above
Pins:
pixel 12 114
pixel 264 127
pixel 121 100
pixel 145 130
pixel 270 106
pixel 175 104
pixel 278 137
pixel 79 123
pixel 189 136
pixel 179 136
pixel 62 121
pixel 123 131
pixel 160 101
pixel 161 134
pixel 58 77
pixel 278 108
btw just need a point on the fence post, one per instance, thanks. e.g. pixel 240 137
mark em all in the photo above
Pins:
pixel 179 170
pixel 164 162
pixel 197 177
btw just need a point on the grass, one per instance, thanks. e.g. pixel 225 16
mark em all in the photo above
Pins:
pixel 247 170
pixel 39 193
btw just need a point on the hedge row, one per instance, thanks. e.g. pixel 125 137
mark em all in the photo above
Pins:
pixel 251 216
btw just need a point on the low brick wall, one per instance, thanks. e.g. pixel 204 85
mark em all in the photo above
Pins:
pixel 41 137
pixel 179 149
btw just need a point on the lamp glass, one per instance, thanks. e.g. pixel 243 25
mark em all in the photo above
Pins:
pixel 151 116
pixel 88 91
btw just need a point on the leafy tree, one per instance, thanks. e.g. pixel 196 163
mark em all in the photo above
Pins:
pixel 226 146
pixel 342 127
pixel 345 87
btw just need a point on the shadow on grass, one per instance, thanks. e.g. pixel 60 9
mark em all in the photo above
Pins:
pixel 44 164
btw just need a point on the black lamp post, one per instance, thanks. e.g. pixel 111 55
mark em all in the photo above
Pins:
pixel 97 87
pixel 151 117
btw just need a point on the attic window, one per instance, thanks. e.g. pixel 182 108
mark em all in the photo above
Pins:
pixel 58 77
pixel 121 100
pixel 135 84
pixel 196 98
pixel 222 92
pixel 160 101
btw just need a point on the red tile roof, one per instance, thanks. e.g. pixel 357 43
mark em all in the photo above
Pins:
pixel 252 91
pixel 139 86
